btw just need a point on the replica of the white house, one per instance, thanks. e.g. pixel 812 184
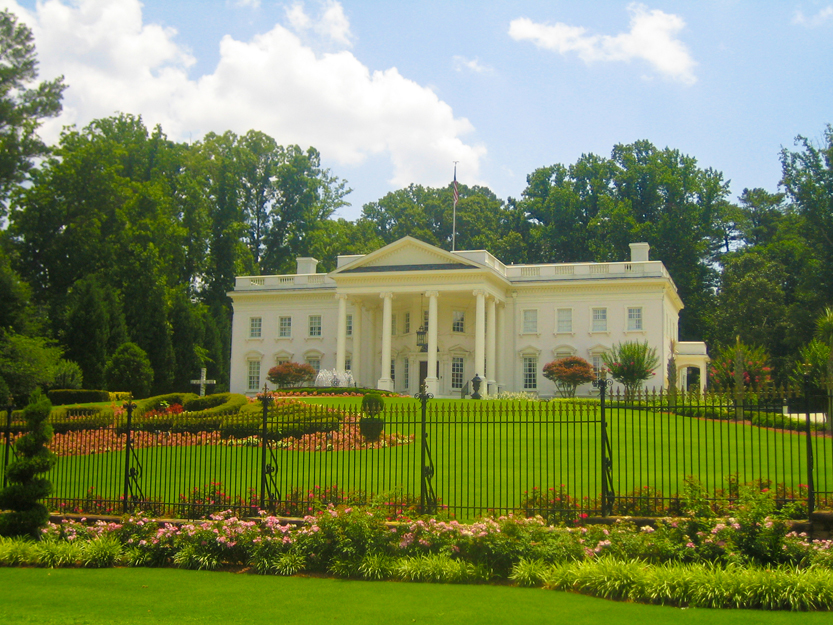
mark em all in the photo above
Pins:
pixel 410 312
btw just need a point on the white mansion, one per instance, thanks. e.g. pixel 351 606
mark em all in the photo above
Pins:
pixel 410 312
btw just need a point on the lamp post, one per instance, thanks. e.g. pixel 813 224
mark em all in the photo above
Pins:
pixel 422 343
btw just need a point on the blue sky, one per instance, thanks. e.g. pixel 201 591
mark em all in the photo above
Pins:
pixel 392 93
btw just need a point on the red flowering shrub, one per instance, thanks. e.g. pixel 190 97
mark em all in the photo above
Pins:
pixel 568 373
pixel 755 371
pixel 291 374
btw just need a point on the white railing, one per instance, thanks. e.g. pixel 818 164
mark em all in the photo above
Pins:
pixel 300 281
pixel 578 271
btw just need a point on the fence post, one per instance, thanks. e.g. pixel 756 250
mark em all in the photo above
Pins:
pixel 811 490
pixel 426 470
pixel 265 400
pixel 128 443
pixel 607 461
pixel 9 410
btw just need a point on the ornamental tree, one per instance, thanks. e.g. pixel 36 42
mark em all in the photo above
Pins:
pixel 568 373
pixel 630 364
pixel 750 363
pixel 25 514
pixel 291 374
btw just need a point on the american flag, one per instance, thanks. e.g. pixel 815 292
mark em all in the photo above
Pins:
pixel 456 193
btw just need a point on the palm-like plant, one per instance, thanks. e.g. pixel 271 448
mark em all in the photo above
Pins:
pixel 630 364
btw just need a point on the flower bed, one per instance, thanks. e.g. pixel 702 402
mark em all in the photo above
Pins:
pixel 749 560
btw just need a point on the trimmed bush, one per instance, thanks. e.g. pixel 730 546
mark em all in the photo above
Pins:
pixel 64 396
pixel 26 515
pixel 129 369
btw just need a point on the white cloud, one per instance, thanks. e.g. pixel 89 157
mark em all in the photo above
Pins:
pixel 819 19
pixel 113 61
pixel 652 38
pixel 332 24
pixel 254 4
pixel 461 63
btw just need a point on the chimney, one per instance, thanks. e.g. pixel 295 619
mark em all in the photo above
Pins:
pixel 639 252
pixel 307 264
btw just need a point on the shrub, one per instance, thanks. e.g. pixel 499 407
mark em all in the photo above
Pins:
pixel 291 374
pixel 568 373
pixel 26 515
pixel 129 370
pixel 755 373
pixel 371 425
pixel 63 396
pixel 630 364
pixel 68 375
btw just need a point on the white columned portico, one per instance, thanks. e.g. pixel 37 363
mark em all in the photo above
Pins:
pixel 341 333
pixel 356 360
pixel 385 383
pixel 490 344
pixel 480 335
pixel 432 383
pixel 500 367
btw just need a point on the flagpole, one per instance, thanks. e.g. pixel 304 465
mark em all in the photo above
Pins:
pixel 454 211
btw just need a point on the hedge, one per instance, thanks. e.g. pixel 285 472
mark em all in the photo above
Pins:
pixel 62 397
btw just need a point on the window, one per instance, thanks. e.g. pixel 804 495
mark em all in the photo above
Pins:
pixel 315 363
pixel 407 328
pixel 393 324
pixel 315 325
pixel 280 361
pixel 285 327
pixel 253 375
pixel 457 372
pixel 255 325
pixel 425 320
pixel 598 364
pixel 530 322
pixel 564 321
pixel 634 319
pixel 562 354
pixel 599 320
pixel 458 323
pixel 406 369
pixel 349 325
pixel 393 369
pixel 530 372
pixel 348 364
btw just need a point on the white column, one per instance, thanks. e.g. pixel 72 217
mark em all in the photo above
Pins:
pixel 500 365
pixel 357 342
pixel 431 380
pixel 490 344
pixel 480 334
pixel 385 383
pixel 341 332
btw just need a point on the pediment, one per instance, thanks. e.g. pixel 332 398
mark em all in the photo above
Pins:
pixel 406 254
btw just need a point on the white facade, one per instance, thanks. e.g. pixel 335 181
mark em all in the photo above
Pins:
pixel 503 322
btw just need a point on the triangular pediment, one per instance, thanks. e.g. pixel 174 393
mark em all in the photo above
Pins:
pixel 407 254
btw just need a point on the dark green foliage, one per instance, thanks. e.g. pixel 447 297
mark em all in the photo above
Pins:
pixel 372 404
pixel 62 397
pixel 26 363
pixel 26 515
pixel 68 375
pixel 129 370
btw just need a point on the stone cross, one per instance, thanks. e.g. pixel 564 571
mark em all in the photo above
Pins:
pixel 203 382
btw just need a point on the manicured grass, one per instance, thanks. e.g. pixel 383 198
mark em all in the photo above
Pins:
pixel 483 459
pixel 121 596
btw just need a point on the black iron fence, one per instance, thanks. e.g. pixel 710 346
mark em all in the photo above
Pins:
pixel 639 455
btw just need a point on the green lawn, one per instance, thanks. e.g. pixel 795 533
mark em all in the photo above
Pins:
pixel 159 596
pixel 483 459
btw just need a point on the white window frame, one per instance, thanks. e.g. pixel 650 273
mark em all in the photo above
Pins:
pixel 285 329
pixel 458 321
pixel 458 372
pixel 406 373
pixel 393 369
pixel 348 363
pixel 407 328
pixel 314 362
pixel 598 323
pixel 529 372
pixel 314 329
pixel 255 327
pixel 253 374
pixel 529 321
pixel 393 324
pixel 566 323
pixel 635 322
pixel 349 325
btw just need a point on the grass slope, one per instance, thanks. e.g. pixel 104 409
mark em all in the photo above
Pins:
pixel 120 596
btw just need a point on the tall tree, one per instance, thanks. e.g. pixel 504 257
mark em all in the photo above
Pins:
pixel 23 104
